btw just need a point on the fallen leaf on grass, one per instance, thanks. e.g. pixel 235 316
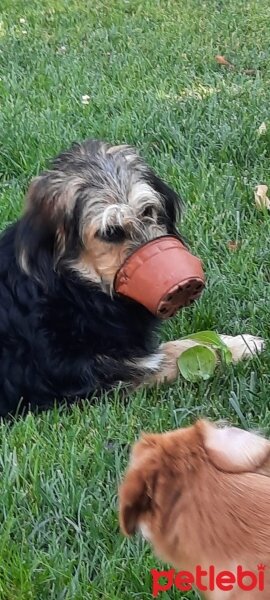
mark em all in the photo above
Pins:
pixel 233 246
pixel 262 129
pixel 221 60
pixel 85 99
pixel 261 199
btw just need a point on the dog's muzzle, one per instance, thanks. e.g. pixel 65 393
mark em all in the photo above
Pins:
pixel 161 275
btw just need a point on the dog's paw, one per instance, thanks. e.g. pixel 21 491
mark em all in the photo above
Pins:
pixel 243 346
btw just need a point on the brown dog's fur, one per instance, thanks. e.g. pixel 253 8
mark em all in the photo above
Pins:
pixel 201 496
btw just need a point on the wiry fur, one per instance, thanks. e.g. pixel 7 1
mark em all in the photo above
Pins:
pixel 201 496
pixel 64 334
pixel 91 191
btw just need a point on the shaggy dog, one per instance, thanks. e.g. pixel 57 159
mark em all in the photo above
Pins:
pixel 64 334
pixel 201 496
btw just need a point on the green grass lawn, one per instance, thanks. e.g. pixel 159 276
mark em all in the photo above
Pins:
pixel 150 72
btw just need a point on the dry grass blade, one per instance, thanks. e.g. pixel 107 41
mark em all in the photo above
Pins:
pixel 261 199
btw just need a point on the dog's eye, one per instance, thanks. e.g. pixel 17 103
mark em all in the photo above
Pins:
pixel 148 212
pixel 113 234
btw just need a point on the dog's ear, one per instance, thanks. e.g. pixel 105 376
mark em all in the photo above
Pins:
pixel 133 500
pixel 235 450
pixel 173 204
pixel 136 491
pixel 41 233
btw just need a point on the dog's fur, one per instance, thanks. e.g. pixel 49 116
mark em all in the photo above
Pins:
pixel 64 334
pixel 201 496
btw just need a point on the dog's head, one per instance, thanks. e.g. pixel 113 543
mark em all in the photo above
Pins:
pixel 95 206
pixel 173 477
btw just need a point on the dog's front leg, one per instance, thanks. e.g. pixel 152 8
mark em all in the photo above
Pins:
pixel 241 347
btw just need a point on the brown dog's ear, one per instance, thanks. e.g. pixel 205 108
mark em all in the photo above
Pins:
pixel 235 450
pixel 134 499
pixel 136 491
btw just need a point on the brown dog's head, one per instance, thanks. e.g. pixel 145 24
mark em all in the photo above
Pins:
pixel 96 205
pixel 176 477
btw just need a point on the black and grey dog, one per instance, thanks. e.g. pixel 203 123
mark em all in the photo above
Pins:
pixel 64 334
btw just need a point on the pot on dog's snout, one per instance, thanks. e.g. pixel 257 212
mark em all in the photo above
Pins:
pixel 162 275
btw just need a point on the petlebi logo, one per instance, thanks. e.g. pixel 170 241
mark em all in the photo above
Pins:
pixel 209 580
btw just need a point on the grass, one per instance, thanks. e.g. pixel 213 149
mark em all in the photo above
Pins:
pixel 150 72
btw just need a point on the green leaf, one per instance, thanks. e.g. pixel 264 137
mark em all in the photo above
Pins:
pixel 226 354
pixel 197 363
pixel 206 337
pixel 212 339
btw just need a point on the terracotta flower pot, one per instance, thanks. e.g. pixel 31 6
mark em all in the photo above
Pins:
pixel 162 275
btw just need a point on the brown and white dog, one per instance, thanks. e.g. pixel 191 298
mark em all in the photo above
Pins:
pixel 201 496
